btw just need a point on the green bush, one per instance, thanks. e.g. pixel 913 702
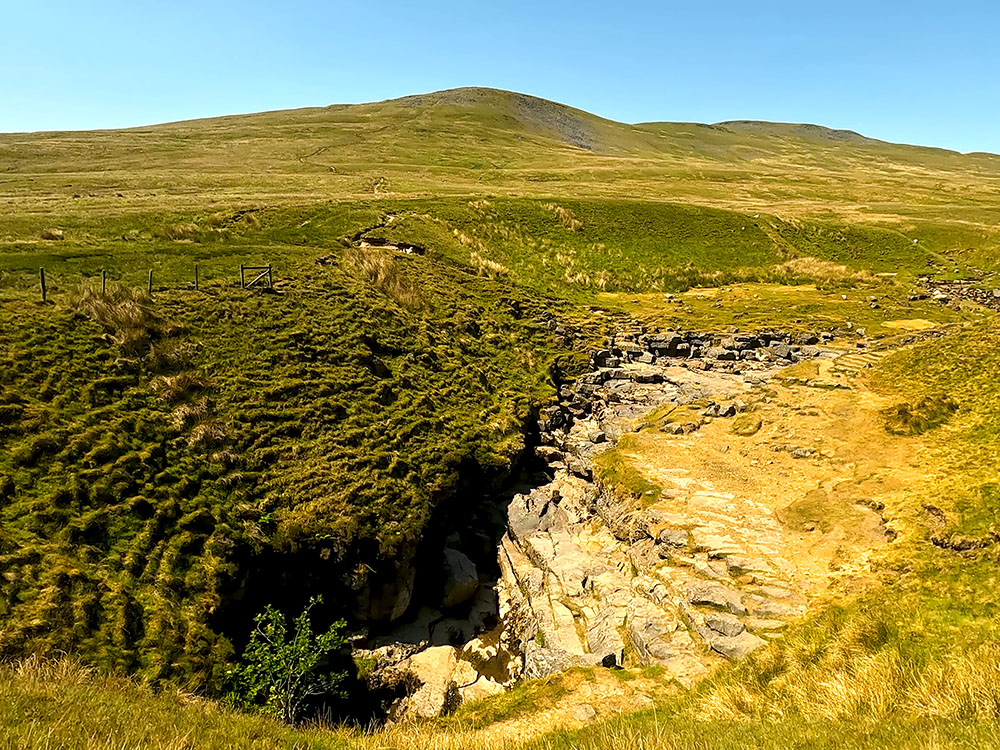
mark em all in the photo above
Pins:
pixel 280 671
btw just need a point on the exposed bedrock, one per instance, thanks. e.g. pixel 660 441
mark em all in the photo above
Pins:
pixel 683 580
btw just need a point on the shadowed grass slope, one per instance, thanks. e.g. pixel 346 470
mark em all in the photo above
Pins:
pixel 169 463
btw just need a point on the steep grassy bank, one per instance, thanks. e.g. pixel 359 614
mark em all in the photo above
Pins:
pixel 172 463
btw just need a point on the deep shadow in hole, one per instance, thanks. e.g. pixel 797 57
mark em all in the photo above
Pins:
pixel 472 520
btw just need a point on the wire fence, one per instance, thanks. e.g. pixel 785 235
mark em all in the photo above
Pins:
pixel 250 277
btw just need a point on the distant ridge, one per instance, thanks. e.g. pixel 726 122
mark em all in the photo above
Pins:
pixel 807 130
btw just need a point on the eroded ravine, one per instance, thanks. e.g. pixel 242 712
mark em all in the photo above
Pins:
pixel 764 486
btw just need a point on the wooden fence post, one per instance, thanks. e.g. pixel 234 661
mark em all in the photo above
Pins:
pixel 270 281
pixel 41 278
pixel 196 287
pixel 104 282
pixel 150 280
pixel 243 283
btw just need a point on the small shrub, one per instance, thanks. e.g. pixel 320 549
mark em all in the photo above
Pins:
pixel 282 670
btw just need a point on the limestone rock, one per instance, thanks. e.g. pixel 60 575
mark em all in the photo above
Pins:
pixel 461 578
pixel 471 685
pixel 736 647
pixel 716 595
pixel 725 624
pixel 433 670
pixel 673 537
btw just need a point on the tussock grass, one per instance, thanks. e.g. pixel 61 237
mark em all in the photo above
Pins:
pixel 379 267
pixel 184 231
pixel 818 270
pixel 59 703
pixel 127 312
pixel 566 217
pixel 180 387
pixel 487 267
pixel 916 419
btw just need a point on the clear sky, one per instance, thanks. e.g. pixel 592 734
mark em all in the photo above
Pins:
pixel 916 72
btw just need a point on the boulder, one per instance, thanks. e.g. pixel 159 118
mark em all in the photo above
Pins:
pixel 665 344
pixel 473 686
pixel 781 350
pixel 525 513
pixel 388 600
pixel 725 624
pixel 673 537
pixel 736 647
pixel 720 410
pixel 541 661
pixel 549 454
pixel 461 578
pixel 433 670
pixel 578 468
pixel 720 353
pixel 716 595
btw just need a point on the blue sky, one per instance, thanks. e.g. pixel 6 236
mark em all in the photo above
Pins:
pixel 915 72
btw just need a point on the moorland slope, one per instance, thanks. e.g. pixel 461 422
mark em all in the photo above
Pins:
pixel 177 454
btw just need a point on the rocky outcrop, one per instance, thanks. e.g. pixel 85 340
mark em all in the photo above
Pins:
pixel 682 580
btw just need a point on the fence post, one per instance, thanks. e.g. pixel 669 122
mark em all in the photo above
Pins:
pixel 196 277
pixel 104 282
pixel 150 281
pixel 270 281
pixel 41 278
pixel 243 283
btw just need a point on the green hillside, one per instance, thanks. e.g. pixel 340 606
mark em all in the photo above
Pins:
pixel 485 142
pixel 174 460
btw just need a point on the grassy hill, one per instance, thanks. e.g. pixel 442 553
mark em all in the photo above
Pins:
pixel 172 462
pixel 485 142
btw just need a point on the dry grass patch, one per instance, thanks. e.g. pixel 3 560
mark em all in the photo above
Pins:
pixel 126 312
pixel 379 267
pixel 566 217
pixel 819 270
